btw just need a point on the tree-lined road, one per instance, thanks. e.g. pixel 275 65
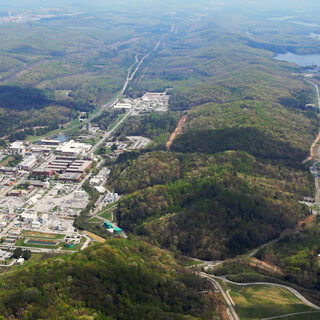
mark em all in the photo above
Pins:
pixel 232 313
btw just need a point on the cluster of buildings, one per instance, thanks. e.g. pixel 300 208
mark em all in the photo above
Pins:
pixel 151 101
pixel 101 177
pixel 313 69
pixel 68 168
pixel 74 149
pixel 69 148
pixel 132 143
pixel 49 157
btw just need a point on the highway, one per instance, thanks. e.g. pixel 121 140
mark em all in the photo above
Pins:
pixel 115 99
pixel 129 78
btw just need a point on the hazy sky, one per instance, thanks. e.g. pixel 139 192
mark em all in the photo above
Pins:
pixel 250 5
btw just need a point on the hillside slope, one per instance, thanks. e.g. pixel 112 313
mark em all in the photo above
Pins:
pixel 118 280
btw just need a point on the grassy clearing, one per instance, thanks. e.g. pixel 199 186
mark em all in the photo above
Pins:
pixel 6 160
pixel 107 215
pixel 96 220
pixel 259 301
pixel 96 237
pixel 186 262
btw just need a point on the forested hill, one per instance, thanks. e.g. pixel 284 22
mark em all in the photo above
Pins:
pixel 22 108
pixel 210 207
pixel 118 280
pixel 233 179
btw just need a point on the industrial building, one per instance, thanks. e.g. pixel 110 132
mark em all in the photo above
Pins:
pixel 17 148
pixel 80 166
pixel 15 193
pixel 123 105
pixel 62 165
pixel 73 149
pixel 39 149
pixel 29 217
pixel 71 177
pixel 43 170
pixel 9 170
pixel 39 184
pixel 101 189
pixel 52 143
pixel 28 163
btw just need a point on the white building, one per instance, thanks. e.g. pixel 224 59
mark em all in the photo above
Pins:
pixel 28 163
pixel 29 217
pixel 17 148
pixel 73 149
pixel 36 225
pixel 4 255
pixel 95 181
pixel 124 104
pixel 100 189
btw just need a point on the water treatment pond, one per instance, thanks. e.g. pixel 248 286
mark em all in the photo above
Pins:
pixel 42 242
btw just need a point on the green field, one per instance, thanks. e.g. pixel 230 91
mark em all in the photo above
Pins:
pixel 107 215
pixel 187 262
pixel 261 301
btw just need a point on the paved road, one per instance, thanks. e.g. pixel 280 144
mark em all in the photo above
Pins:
pixel 317 89
pixel 252 253
pixel 216 284
pixel 41 250
pixel 109 133
pixel 85 245
pixel 123 234
pixel 313 168
pixel 294 291
pixel 129 78
pixel 290 314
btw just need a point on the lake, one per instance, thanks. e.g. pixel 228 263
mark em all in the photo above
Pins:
pixel 302 60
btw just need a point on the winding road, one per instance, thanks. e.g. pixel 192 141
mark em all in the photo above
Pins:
pixel 290 314
pixel 231 305
pixel 232 312
pixel 294 291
